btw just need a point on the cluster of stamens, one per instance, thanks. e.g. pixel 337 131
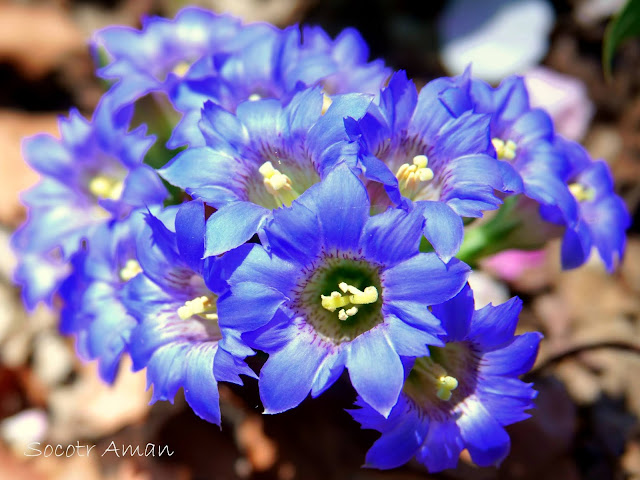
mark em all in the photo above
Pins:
pixel 352 296
pixel 277 184
pixel 202 306
pixel 410 176
pixel 580 192
pixel 106 187
pixel 130 270
pixel 504 150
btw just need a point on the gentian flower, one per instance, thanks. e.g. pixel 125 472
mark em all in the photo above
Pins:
pixel 603 217
pixel 178 338
pixel 92 175
pixel 267 65
pixel 462 394
pixel 158 56
pixel 414 147
pixel 337 289
pixel 523 137
pixel 261 158
pixel 92 310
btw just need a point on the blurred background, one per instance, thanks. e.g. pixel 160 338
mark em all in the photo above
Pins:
pixel 586 425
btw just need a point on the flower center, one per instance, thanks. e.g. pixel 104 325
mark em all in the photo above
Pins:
pixel 411 177
pixel 130 270
pixel 181 68
pixel 203 306
pixel 356 297
pixel 103 186
pixel 504 150
pixel 278 184
pixel 581 193
pixel 358 303
pixel 436 376
pixel 436 384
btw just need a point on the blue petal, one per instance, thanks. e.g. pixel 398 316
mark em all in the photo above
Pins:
pixel 396 447
pixel 408 340
pixel 393 236
pixel 231 226
pixel 443 228
pixel 608 220
pixel 455 315
pixel 442 447
pixel 252 263
pixel 221 129
pixel 486 440
pixel 288 235
pixel 517 358
pixel 204 173
pixel 200 385
pixel 248 306
pixel 506 399
pixel 493 326
pixel 342 206
pixel 379 386
pixel 328 134
pixel 287 376
pixel 330 370
pixel 576 246
pixel 190 232
pixel 424 278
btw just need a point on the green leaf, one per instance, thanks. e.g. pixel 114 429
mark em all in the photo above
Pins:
pixel 624 25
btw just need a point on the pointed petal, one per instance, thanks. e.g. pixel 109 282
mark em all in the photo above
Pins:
pixel 286 378
pixel 231 226
pixel 486 440
pixel 379 386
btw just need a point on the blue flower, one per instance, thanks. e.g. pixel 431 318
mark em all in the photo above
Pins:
pixel 269 65
pixel 158 56
pixel 603 217
pixel 92 310
pixel 261 158
pixel 337 289
pixel 462 394
pixel 92 175
pixel 521 136
pixel 413 147
pixel 178 338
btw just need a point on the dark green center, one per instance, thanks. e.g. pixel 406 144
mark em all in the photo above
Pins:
pixel 324 280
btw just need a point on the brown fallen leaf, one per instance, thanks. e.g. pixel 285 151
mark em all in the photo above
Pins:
pixel 36 38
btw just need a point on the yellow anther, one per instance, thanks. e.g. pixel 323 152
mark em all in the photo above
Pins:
pixel 181 69
pixel 326 103
pixel 446 385
pixel 420 161
pixel 254 97
pixel 106 187
pixel 277 184
pixel 130 270
pixel 202 306
pixel 410 176
pixel 580 192
pixel 504 150
pixel 353 297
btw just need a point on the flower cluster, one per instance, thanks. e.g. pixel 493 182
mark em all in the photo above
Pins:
pixel 319 209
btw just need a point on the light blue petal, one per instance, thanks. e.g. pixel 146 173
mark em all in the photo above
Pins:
pixel 231 226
